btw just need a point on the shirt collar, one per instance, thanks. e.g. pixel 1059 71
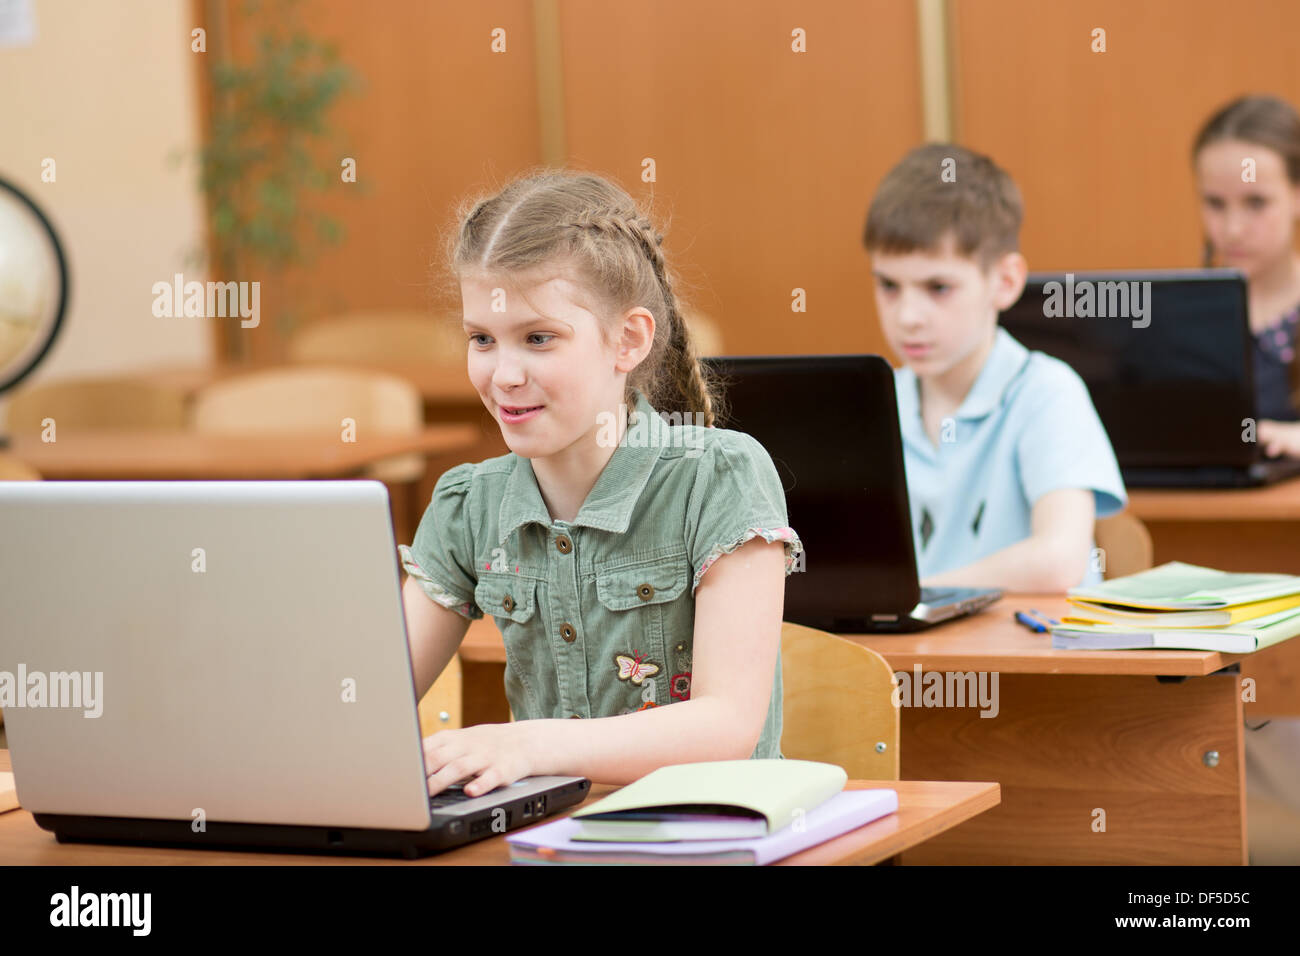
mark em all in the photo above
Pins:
pixel 1004 363
pixel 610 502
pixel 1005 360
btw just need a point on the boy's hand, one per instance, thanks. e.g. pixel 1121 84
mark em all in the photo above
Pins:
pixel 494 755
pixel 1279 438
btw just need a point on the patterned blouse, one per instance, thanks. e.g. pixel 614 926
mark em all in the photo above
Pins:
pixel 1275 350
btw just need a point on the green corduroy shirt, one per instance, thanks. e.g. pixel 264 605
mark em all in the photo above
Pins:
pixel 598 613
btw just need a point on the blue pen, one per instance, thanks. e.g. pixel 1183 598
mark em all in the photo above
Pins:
pixel 1043 618
pixel 1029 622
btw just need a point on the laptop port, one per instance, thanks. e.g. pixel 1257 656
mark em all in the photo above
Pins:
pixel 334 837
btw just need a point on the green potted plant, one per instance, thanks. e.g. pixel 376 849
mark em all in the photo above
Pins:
pixel 258 166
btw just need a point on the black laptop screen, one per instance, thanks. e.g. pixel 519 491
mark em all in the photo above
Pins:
pixel 1170 375
pixel 830 424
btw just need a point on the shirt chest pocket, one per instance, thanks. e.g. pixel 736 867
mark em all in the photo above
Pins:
pixel 622 588
pixel 646 604
pixel 507 597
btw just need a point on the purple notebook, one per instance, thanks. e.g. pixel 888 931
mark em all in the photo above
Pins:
pixel 847 810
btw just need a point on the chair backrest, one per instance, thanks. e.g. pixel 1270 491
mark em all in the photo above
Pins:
pixel 381 337
pixel 1125 545
pixel 308 399
pixel 838 705
pixel 95 403
pixel 13 469
pixel 316 399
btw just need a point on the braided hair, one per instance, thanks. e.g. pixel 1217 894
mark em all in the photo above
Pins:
pixel 553 218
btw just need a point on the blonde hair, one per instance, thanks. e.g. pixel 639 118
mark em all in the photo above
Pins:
pixel 555 218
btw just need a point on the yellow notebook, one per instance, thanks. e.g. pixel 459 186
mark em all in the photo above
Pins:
pixel 1092 612
pixel 771 792
pixel 1241 638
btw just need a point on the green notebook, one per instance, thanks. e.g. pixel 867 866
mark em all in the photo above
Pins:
pixel 1187 587
pixel 711 800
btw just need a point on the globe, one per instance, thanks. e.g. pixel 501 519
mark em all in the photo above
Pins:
pixel 33 285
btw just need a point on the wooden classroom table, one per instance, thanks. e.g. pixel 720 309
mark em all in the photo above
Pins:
pixel 183 454
pixel 187 455
pixel 924 809
pixel 1235 529
pixel 1076 731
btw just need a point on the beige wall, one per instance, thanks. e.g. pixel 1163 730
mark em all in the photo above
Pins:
pixel 107 91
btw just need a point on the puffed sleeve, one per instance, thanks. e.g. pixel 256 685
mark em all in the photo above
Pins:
pixel 737 495
pixel 441 557
pixel 1062 443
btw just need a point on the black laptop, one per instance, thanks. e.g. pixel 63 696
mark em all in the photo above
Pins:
pixel 1169 365
pixel 830 423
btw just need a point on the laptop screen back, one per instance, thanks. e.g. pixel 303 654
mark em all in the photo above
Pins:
pixel 245 643
pixel 1171 375
pixel 830 424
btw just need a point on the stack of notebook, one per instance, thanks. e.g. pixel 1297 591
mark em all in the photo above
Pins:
pixel 719 812
pixel 1182 606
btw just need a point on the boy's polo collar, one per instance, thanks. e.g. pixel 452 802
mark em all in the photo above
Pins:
pixel 610 502
pixel 1004 362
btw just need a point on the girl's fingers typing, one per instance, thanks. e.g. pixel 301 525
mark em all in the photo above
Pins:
pixel 465 766
pixel 489 779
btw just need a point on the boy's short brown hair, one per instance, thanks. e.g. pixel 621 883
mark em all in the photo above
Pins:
pixel 941 189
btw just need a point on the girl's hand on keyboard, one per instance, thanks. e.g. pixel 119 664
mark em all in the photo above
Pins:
pixel 486 756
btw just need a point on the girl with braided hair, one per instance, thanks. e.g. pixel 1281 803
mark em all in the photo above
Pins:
pixel 634 567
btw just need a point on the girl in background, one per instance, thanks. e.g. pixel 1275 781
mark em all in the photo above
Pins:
pixel 1247 158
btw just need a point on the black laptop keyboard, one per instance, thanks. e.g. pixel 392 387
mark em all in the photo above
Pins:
pixel 445 798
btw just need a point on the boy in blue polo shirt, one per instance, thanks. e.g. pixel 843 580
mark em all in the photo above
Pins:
pixel 1007 463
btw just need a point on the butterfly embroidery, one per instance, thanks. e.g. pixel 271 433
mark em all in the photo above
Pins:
pixel 636 668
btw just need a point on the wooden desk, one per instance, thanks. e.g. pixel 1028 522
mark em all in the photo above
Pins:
pixel 1240 529
pixel 925 809
pixel 183 455
pixel 146 454
pixel 1075 731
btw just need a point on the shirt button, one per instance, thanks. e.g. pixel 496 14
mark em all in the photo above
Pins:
pixel 568 633
pixel 508 603
pixel 645 592
pixel 563 544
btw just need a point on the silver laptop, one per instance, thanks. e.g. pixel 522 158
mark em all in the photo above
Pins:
pixel 223 663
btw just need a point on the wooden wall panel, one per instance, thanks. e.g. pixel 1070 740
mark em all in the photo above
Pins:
pixel 439 113
pixel 1099 142
pixel 766 158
